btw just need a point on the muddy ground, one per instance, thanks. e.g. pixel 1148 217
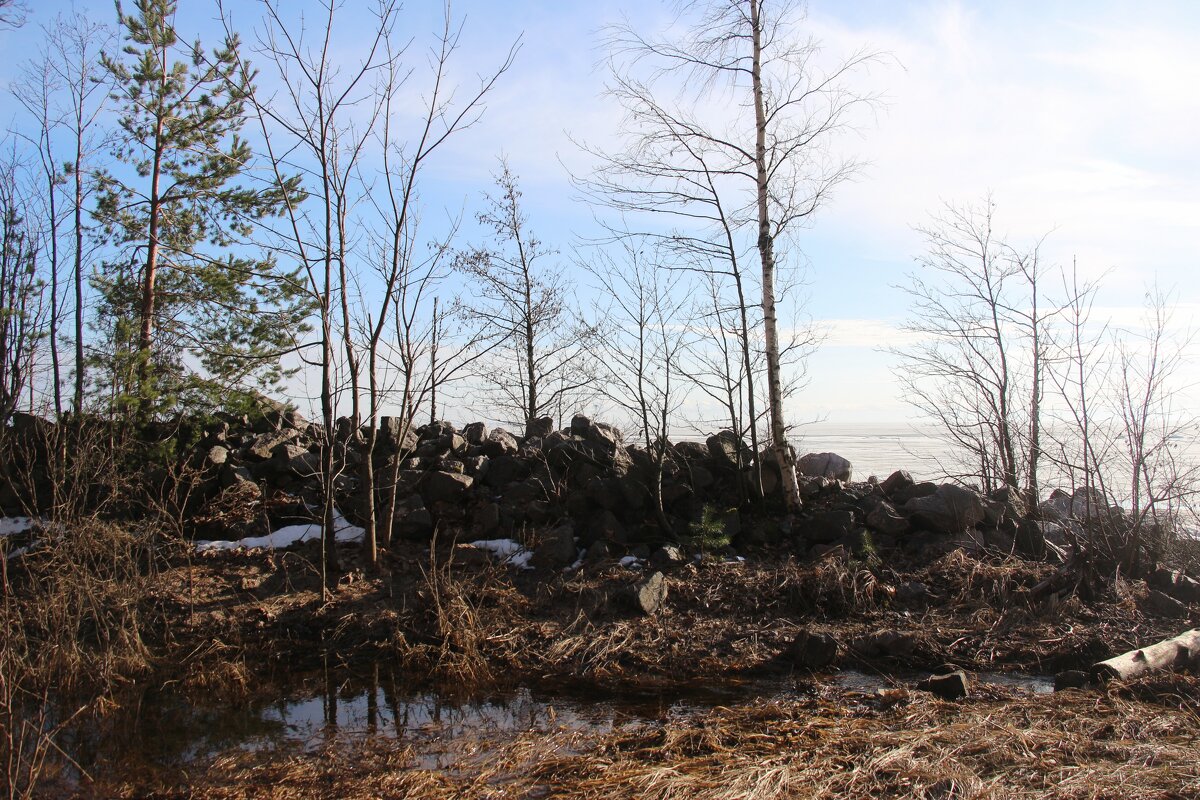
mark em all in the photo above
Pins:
pixel 226 622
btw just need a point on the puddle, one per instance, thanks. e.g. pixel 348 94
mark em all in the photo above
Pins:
pixel 162 732
pixel 866 682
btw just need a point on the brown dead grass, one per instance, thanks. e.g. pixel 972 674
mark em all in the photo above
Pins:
pixel 841 745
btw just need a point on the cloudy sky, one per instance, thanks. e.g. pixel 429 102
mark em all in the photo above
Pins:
pixel 1080 118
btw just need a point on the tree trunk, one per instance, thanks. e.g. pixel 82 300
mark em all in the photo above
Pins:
pixel 766 250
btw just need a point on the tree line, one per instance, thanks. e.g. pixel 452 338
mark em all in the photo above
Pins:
pixel 188 226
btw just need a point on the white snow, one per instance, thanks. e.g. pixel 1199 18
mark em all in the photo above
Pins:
pixel 509 551
pixel 632 562
pixel 288 536
pixel 11 525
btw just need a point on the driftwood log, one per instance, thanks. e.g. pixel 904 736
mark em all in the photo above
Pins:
pixel 1180 651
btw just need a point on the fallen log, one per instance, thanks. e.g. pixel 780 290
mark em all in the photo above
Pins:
pixel 1179 651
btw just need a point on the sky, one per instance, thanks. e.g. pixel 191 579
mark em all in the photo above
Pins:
pixel 1081 119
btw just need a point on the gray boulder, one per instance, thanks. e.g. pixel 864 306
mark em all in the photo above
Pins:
pixel 556 549
pixel 500 443
pixel 446 487
pixel 949 510
pixel 727 450
pixel 824 465
pixel 539 428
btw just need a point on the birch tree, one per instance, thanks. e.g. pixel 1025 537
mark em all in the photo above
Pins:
pixel 773 157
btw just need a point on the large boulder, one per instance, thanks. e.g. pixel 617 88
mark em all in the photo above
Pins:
pixel 949 510
pixel 556 548
pixel 446 487
pixel 825 527
pixel 539 428
pixel 885 519
pixel 500 443
pixel 825 465
pixel 727 450
pixel 396 435
pixel 263 446
pixel 475 433
pixel 900 479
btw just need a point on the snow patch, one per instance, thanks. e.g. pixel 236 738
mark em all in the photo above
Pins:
pixel 288 536
pixel 11 525
pixel 633 562
pixel 509 551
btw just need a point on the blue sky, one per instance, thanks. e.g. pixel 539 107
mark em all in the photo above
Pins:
pixel 1081 118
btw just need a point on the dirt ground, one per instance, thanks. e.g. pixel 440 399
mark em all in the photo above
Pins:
pixel 225 620
pixel 457 622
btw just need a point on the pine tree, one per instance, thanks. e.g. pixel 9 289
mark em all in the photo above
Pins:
pixel 209 311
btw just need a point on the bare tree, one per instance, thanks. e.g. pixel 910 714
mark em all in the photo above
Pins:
pixel 638 343
pixel 522 302
pixel 978 359
pixel 776 171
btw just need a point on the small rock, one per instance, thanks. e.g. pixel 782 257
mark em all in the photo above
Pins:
pixel 811 650
pixel 650 594
pixel 885 644
pixel 1071 679
pixel 952 686
pixel 666 556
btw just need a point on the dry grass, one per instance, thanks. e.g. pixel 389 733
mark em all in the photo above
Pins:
pixel 841 745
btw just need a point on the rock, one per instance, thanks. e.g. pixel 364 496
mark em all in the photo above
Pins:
pixel 666 556
pixel 698 477
pixel 905 493
pixel 690 452
pixel 500 443
pixel 900 479
pixel 1174 583
pixel 1072 679
pixel 475 433
pixel 539 428
pixel 395 436
pixel 824 465
pixel 885 644
pixel 264 444
pixel 305 464
pixel 446 487
pixel 949 510
pixel 556 548
pixel 232 475
pixel 216 457
pixel 486 519
pixel 1079 505
pixel 951 686
pixel 650 594
pixel 599 551
pixel 503 470
pixel 285 452
pixel 887 520
pixel 728 451
pixel 1164 605
pixel 825 527
pixel 606 527
pixel 828 552
pixel 810 650
pixel 469 555
pixel 912 592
